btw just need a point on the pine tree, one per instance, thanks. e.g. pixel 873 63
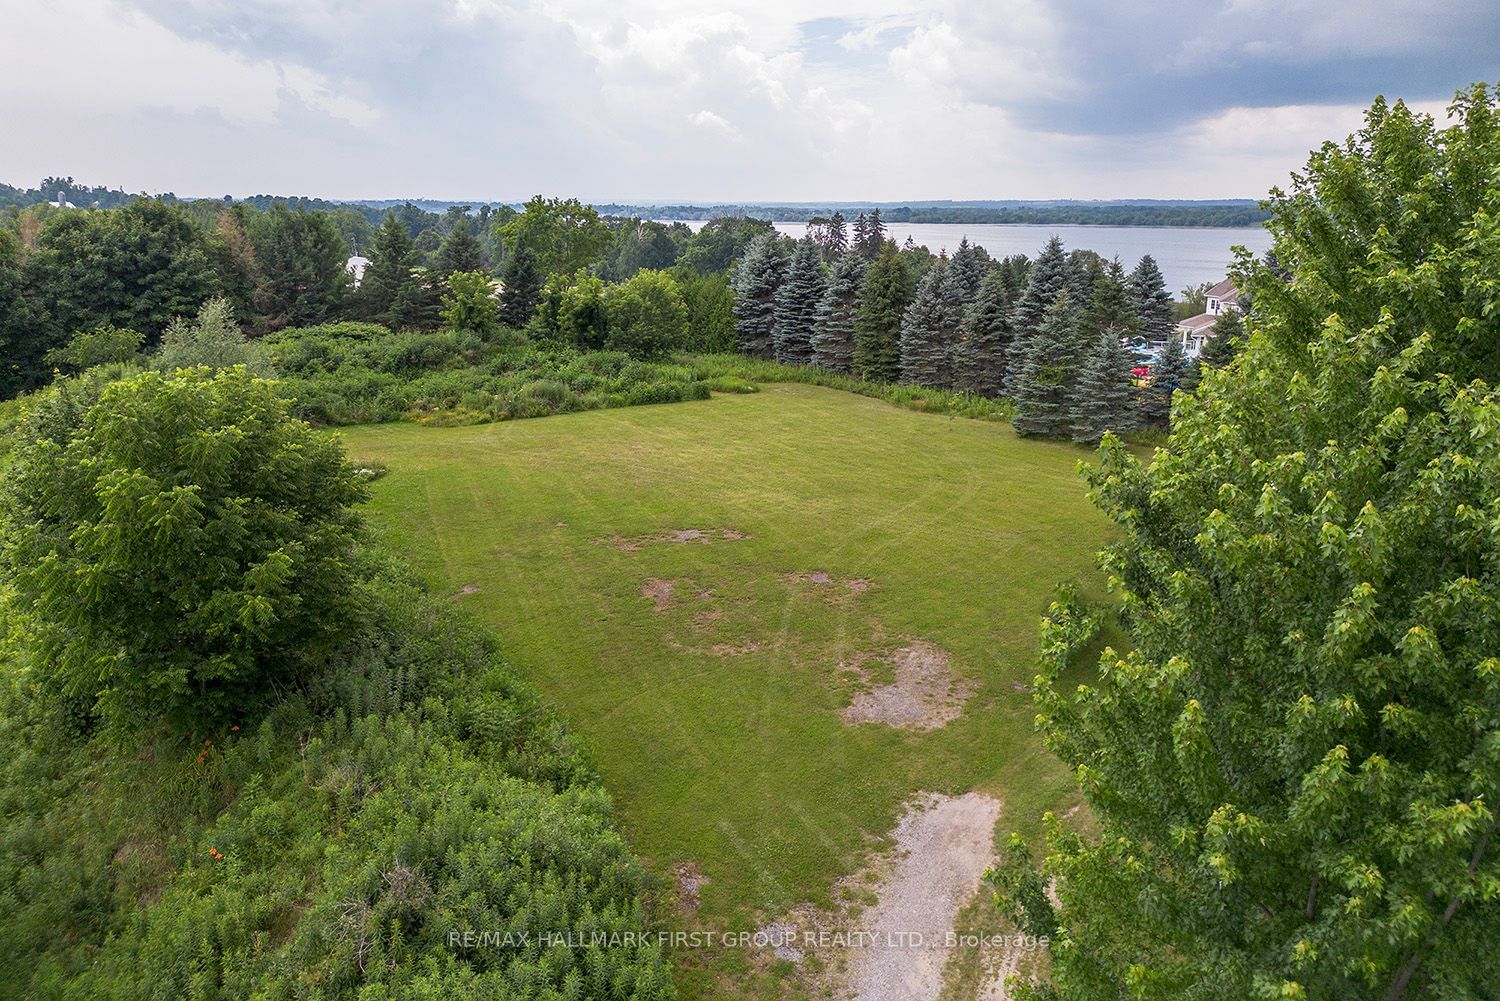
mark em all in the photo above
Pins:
pixel 392 257
pixel 877 328
pixel 1152 301
pixel 985 338
pixel 419 303
pixel 460 251
pixel 833 341
pixel 1111 307
pixel 1169 373
pixel 838 235
pixel 861 235
pixel 1084 267
pixel 1105 397
pixel 521 281
pixel 1045 383
pixel 756 281
pixel 969 264
pixel 1046 279
pixel 1228 339
pixel 797 302
pixel 924 345
pixel 874 234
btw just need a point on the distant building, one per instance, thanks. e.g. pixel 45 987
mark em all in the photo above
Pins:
pixel 356 267
pixel 62 202
pixel 1195 331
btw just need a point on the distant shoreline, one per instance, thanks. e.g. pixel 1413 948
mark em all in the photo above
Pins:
pixel 1237 214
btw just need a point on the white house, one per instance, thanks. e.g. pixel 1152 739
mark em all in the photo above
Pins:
pixel 1195 331
pixel 356 267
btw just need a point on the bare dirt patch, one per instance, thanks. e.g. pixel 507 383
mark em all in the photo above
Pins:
pixel 660 593
pixel 943 846
pixel 890 937
pixel 700 536
pixel 734 649
pixel 467 589
pixel 833 589
pixel 690 882
pixel 924 696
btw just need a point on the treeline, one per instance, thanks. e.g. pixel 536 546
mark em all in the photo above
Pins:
pixel 1059 335
pixel 64 273
pixel 82 195
pixel 1083 214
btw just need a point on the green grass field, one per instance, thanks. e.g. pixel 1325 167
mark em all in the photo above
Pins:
pixel 716 719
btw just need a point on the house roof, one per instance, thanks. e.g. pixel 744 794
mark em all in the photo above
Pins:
pixel 1224 290
pixel 1198 324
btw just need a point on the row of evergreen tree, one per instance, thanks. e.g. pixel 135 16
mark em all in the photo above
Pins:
pixel 1060 334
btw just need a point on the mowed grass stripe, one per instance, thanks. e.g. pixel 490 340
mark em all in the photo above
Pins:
pixel 741 764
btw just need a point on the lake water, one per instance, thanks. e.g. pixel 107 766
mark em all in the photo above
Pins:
pixel 1187 255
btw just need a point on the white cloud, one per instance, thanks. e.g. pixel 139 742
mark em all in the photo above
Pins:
pixel 627 99
pixel 708 120
pixel 120 60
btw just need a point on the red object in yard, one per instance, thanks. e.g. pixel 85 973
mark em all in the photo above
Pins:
pixel 1140 373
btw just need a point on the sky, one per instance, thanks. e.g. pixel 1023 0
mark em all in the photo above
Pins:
pixel 676 100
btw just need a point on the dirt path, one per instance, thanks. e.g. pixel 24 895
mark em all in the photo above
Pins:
pixel 944 844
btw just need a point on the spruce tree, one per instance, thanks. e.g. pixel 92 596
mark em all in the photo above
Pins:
pixel 1045 383
pixel 1105 397
pixel 797 302
pixel 1169 373
pixel 861 235
pixel 392 257
pixel 985 337
pixel 1228 339
pixel 877 327
pixel 1084 267
pixel 1152 301
pixel 460 251
pixel 1046 279
pixel 833 340
pixel 969 264
pixel 838 235
pixel 1111 307
pixel 924 347
pixel 521 281
pixel 756 281
pixel 874 234
pixel 419 302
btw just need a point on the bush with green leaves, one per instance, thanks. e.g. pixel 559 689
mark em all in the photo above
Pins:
pixel 175 542
pixel 103 345
pixel 338 846
pixel 1295 765
pixel 647 317
pixel 212 338
pixel 469 304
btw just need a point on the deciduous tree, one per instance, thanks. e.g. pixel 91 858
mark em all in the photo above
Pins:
pixel 176 544
pixel 1294 762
